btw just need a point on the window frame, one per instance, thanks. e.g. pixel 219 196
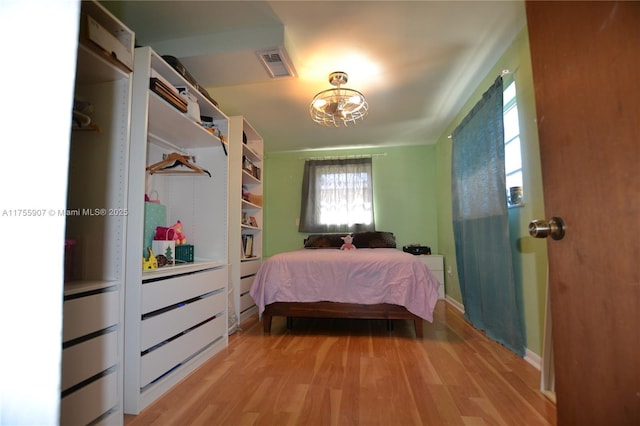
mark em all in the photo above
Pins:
pixel 311 209
pixel 511 106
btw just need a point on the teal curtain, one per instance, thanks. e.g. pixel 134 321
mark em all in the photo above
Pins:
pixel 480 223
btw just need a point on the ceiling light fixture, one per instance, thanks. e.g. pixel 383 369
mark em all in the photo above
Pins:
pixel 333 107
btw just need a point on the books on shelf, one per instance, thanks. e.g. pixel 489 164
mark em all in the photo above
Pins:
pixel 168 93
pixel 247 246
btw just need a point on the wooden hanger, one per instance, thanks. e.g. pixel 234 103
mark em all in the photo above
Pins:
pixel 174 160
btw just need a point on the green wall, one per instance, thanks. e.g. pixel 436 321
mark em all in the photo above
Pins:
pixel 529 254
pixel 404 192
pixel 412 195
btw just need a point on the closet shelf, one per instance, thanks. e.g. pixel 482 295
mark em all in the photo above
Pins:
pixel 167 271
pixel 84 286
pixel 90 128
pixel 166 124
pixel 98 68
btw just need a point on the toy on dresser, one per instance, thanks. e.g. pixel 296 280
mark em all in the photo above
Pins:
pixel 151 262
pixel 179 236
pixel 172 233
pixel 164 243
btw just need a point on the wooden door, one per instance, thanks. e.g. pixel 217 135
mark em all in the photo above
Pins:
pixel 586 72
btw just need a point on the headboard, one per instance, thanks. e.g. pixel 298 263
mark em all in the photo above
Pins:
pixel 371 239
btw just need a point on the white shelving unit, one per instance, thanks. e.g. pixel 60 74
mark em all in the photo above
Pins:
pixel 175 316
pixel 245 212
pixel 92 356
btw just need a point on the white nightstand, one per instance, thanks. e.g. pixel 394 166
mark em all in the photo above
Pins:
pixel 435 263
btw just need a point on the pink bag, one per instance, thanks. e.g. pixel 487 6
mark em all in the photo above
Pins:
pixel 164 234
pixel 148 199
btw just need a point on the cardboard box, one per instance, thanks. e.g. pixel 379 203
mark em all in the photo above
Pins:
pixel 103 33
pixel 185 253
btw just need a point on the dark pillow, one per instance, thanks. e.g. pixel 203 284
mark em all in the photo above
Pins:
pixel 374 239
pixel 332 241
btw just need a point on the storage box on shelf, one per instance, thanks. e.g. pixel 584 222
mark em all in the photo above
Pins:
pixel 245 212
pixel 96 220
pixel 175 316
pixel 104 35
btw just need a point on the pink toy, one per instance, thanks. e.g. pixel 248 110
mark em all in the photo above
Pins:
pixel 178 237
pixel 348 240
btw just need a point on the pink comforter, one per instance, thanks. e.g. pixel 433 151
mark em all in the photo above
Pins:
pixel 364 276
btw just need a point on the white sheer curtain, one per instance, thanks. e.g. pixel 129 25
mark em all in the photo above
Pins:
pixel 337 196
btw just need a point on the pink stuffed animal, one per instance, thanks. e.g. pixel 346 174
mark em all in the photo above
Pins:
pixel 348 243
pixel 178 237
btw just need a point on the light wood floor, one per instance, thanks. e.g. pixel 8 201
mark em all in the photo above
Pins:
pixel 356 372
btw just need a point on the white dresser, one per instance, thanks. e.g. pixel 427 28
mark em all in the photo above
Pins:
pixel 435 263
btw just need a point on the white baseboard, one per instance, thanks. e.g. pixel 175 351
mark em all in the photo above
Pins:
pixel 533 359
pixel 529 356
pixel 453 302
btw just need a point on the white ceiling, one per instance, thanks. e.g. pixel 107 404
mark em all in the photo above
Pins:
pixel 425 58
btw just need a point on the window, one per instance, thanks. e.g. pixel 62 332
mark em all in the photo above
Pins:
pixel 512 152
pixel 337 196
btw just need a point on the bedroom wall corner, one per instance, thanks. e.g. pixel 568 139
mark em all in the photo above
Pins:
pixel 445 219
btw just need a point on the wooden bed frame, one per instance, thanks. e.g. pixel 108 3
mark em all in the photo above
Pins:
pixel 339 310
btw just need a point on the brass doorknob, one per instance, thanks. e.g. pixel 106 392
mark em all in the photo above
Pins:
pixel 555 228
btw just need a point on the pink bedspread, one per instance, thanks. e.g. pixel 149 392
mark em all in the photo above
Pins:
pixel 364 276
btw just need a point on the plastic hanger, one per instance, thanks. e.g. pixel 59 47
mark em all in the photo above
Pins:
pixel 174 160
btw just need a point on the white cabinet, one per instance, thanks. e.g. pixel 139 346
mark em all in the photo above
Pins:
pixel 175 316
pixel 435 263
pixel 245 212
pixel 91 356
pixel 96 221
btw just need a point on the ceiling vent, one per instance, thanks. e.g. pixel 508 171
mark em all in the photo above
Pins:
pixel 277 63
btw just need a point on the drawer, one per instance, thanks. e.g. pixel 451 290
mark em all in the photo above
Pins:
pixel 88 403
pixel 113 418
pixel 434 263
pixel 246 283
pixel 84 315
pixel 99 31
pixel 439 275
pixel 246 301
pixel 249 267
pixel 158 362
pixel 166 292
pixel 171 323
pixel 86 359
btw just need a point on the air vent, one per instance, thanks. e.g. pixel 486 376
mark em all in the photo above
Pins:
pixel 277 63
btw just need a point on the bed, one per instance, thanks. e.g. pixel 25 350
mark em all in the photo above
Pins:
pixel 375 281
